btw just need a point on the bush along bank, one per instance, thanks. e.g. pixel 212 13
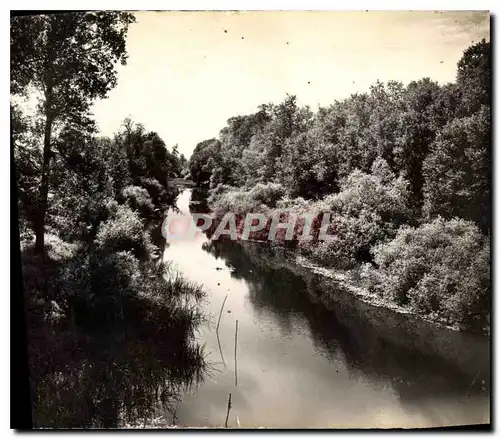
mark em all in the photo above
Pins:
pixel 416 269
pixel 404 171
pixel 110 330
pixel 110 326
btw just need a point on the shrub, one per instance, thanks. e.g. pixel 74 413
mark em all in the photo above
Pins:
pixel 57 249
pixel 267 194
pixel 236 201
pixel 258 199
pixel 124 231
pixel 216 192
pixel 127 318
pixel 355 237
pixel 368 210
pixel 155 189
pixel 138 199
pixel 295 204
pixel 378 192
pixel 440 269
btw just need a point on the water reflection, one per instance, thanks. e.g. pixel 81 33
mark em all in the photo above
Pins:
pixel 371 342
pixel 106 384
pixel 198 201
pixel 312 356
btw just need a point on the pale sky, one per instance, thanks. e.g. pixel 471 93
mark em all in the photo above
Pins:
pixel 188 72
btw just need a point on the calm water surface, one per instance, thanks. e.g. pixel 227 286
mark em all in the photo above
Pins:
pixel 306 363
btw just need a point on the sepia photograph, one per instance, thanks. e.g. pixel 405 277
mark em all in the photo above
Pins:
pixel 252 219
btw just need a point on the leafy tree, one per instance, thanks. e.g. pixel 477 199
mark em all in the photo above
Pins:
pixel 27 159
pixel 240 129
pixel 70 60
pixel 236 139
pixel 288 120
pixel 355 148
pixel 150 163
pixel 474 77
pixel 202 160
pixel 183 164
pixel 87 176
pixel 308 166
pixel 458 170
pixel 418 130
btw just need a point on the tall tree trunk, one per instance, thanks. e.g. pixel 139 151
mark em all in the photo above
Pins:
pixel 44 188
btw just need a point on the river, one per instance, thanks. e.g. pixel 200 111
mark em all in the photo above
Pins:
pixel 302 363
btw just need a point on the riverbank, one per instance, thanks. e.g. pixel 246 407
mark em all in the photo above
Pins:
pixel 344 280
pixel 303 338
pixel 335 291
pixel 181 183
pixel 405 187
pixel 96 317
pixel 437 270
pixel 347 280
pixel 100 309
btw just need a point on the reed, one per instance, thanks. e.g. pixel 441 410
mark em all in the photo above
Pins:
pixel 220 314
pixel 217 332
pixel 235 355
pixel 228 410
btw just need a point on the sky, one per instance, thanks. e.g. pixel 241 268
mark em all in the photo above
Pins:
pixel 188 72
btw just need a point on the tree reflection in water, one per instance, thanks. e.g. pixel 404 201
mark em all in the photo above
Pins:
pixel 419 359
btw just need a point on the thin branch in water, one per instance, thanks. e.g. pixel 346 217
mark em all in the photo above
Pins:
pixel 228 410
pixel 220 350
pixel 217 332
pixel 220 314
pixel 471 384
pixel 235 357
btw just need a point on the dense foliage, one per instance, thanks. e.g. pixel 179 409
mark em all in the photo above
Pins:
pixel 397 156
pixel 110 328
pixel 441 268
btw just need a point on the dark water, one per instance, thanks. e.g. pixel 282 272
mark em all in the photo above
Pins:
pixel 311 356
